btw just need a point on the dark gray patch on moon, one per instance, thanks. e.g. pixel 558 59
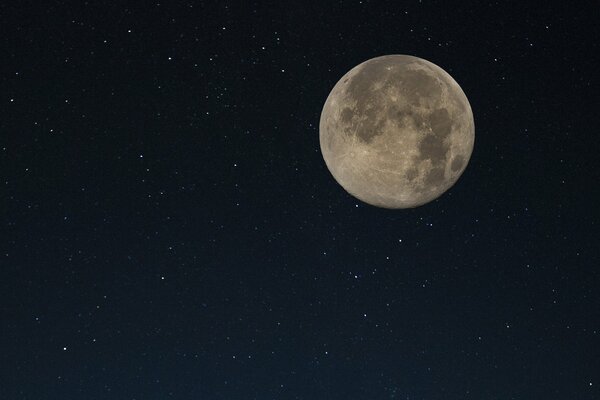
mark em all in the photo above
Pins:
pixel 411 174
pixel 361 90
pixel 434 177
pixel 418 87
pixel 405 117
pixel 433 149
pixel 440 123
pixel 434 146
pixel 360 87
pixel 346 115
pixel 370 126
pixel 457 163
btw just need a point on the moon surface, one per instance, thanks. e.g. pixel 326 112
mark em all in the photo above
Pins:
pixel 396 131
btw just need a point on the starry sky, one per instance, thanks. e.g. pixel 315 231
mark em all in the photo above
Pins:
pixel 169 229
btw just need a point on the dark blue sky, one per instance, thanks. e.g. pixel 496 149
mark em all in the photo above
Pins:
pixel 169 229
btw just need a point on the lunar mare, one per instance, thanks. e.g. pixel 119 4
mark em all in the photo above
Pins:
pixel 396 131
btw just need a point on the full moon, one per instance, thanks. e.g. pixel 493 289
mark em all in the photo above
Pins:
pixel 396 131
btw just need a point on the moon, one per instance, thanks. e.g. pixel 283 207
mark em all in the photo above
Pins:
pixel 396 131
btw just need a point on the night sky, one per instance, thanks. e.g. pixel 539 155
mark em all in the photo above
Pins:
pixel 169 229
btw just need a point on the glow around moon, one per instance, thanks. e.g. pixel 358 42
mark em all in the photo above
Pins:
pixel 396 131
